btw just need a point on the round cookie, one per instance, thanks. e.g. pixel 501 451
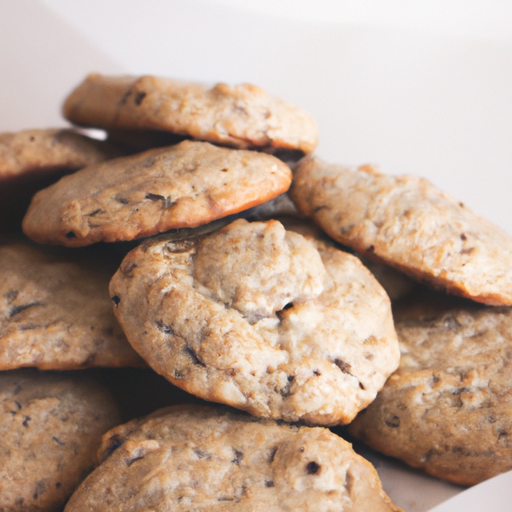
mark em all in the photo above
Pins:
pixel 50 429
pixel 448 408
pixel 33 159
pixel 409 224
pixel 186 185
pixel 261 319
pixel 243 116
pixel 55 311
pixel 200 458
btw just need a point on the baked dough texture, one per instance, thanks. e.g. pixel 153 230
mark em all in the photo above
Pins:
pixel 48 150
pixel 197 458
pixel 395 283
pixel 243 116
pixel 50 429
pixel 261 319
pixel 55 312
pixel 448 408
pixel 409 224
pixel 182 186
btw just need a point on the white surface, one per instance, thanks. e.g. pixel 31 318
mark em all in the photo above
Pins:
pixel 418 87
pixel 493 495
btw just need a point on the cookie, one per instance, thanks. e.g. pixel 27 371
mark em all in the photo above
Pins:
pixel 409 224
pixel 33 159
pixel 50 429
pixel 243 116
pixel 49 150
pixel 55 311
pixel 448 408
pixel 261 319
pixel 201 458
pixel 182 186
pixel 395 283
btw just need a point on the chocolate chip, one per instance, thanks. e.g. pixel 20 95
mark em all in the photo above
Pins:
pixel 125 96
pixel 193 356
pixel 116 300
pixel 26 420
pixel 40 488
pixel 166 201
pixel 165 328
pixel 202 454
pixel 238 457
pixel 19 309
pixel 129 462
pixel 343 366
pixel 58 441
pixel 114 443
pixel 269 483
pixel 313 468
pixel 139 97
pixel 11 295
pixel 70 234
pixel 95 212
pixel 393 423
pixel 154 197
pixel 273 452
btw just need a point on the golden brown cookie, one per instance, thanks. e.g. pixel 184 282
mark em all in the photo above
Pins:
pixel 448 408
pixel 243 116
pixel 188 458
pixel 186 185
pixel 50 429
pixel 55 311
pixel 33 159
pixel 409 224
pixel 261 319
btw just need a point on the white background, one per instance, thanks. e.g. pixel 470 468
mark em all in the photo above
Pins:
pixel 418 87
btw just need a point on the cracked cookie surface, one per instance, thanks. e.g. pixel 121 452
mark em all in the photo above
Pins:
pixel 55 312
pixel 261 319
pixel 243 116
pixel 203 458
pixel 409 224
pixel 182 186
pixel 50 429
pixel 448 408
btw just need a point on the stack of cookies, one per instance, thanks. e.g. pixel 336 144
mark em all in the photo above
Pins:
pixel 273 294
